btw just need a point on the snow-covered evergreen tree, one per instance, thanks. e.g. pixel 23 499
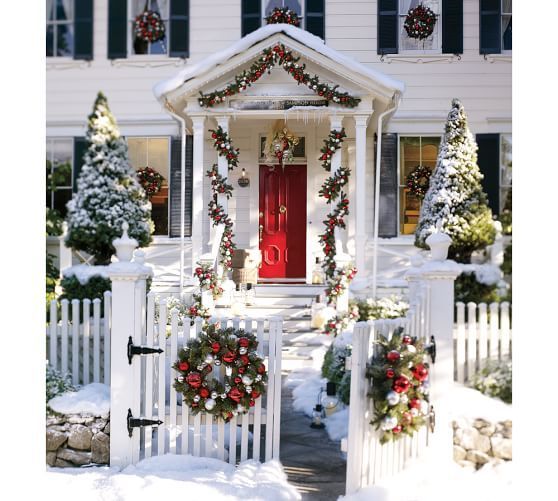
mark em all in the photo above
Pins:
pixel 455 197
pixel 108 192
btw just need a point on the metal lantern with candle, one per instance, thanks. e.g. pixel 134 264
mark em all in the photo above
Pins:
pixel 330 401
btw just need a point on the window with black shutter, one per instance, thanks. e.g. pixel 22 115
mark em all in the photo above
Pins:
pixel 69 29
pixel 315 17
pixel 388 26
pixel 80 146
pixel 491 26
pixel 117 29
pixel 251 12
pixel 452 26
pixel 387 224
pixel 59 156
pixel 432 43
pixel 175 188
pixel 488 158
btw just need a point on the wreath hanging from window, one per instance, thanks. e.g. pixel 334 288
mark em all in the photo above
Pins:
pixel 419 180
pixel 149 27
pixel 150 180
pixel 283 15
pixel 231 351
pixel 419 22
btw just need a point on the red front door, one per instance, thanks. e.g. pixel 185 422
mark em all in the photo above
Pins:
pixel 283 221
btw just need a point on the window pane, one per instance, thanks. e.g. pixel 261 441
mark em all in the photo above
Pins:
pixel 50 41
pixel 408 43
pixel 506 6
pixel 61 198
pixel 507 32
pixel 162 8
pixel 293 5
pixel 65 40
pixel 64 10
pixel 50 10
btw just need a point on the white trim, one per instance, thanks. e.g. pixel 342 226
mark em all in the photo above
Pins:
pixel 418 57
pixel 66 63
pixel 504 57
pixel 147 61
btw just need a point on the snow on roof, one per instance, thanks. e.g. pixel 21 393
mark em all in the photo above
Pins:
pixel 307 39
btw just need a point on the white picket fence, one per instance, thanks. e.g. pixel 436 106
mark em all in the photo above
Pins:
pixel 482 333
pixel 254 435
pixel 78 343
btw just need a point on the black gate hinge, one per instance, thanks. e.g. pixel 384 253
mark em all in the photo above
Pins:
pixel 139 350
pixel 431 349
pixel 132 422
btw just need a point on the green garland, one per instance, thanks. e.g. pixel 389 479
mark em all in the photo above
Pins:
pixel 278 55
pixel 244 372
pixel 399 373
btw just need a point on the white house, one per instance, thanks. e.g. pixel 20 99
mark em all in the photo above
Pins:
pixel 405 89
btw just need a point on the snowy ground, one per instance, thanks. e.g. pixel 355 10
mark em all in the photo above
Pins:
pixel 172 477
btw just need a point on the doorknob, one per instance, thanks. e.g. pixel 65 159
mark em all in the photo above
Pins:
pixel 261 214
pixel 282 209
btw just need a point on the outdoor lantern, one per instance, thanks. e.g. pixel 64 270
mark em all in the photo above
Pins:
pixel 238 306
pixel 330 401
pixel 250 294
pixel 317 415
pixel 318 273
pixel 318 319
pixel 243 180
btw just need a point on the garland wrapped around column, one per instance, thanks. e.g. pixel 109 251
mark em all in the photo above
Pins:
pixel 337 279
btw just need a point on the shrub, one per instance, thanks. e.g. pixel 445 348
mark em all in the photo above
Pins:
pixel 56 384
pixel 54 222
pixel 52 274
pixel 94 288
pixel 467 288
pixel 507 264
pixel 385 307
pixel 333 369
pixel 495 380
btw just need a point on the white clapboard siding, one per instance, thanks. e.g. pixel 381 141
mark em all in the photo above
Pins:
pixel 479 339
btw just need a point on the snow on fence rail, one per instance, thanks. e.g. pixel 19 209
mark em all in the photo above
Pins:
pixel 78 339
pixel 482 333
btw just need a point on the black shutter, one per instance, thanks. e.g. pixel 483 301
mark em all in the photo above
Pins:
pixel 315 17
pixel 83 30
pixel 452 26
pixel 80 146
pixel 388 21
pixel 490 30
pixel 179 28
pixel 251 16
pixel 174 188
pixel 117 29
pixel 489 165
pixel 387 227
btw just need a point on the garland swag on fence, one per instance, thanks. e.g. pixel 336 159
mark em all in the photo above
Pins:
pixel 278 55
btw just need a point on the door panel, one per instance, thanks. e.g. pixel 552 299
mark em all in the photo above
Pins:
pixel 283 221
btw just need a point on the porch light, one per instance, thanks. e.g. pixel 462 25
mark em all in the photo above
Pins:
pixel 243 180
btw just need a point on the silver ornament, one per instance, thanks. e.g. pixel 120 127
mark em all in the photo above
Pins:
pixel 243 350
pixel 217 362
pixel 227 388
pixel 233 337
pixel 392 398
pixel 404 399
pixel 411 348
pixel 228 371
pixel 248 390
pixel 209 404
pixel 208 358
pixel 200 367
pixel 180 379
pixel 247 380
pixel 388 423
pixel 196 398
pixel 258 377
pixel 223 396
pixel 240 408
pixel 414 412
pixel 214 395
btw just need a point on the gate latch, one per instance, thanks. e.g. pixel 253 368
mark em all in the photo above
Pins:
pixel 431 349
pixel 139 350
pixel 132 422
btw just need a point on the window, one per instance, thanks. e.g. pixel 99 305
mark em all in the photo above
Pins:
pixel 59 160
pixel 413 151
pixel 154 152
pixel 60 28
pixel 139 46
pixel 505 172
pixel 506 24
pixel 430 44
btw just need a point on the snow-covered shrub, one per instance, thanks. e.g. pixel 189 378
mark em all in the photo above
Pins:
pixel 54 222
pixel 468 289
pixel 93 288
pixel 507 264
pixel 51 281
pixel 455 198
pixel 333 369
pixel 386 307
pixel 108 192
pixel 57 383
pixel 495 380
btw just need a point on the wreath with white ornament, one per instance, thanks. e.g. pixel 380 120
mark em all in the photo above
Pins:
pixel 230 352
pixel 418 181
pixel 419 22
pixel 283 15
pixel 150 180
pixel 149 26
pixel 400 386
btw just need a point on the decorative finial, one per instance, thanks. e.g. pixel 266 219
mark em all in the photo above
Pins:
pixel 125 245
pixel 439 243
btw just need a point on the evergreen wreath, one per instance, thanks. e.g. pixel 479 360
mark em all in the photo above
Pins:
pixel 419 180
pixel 244 372
pixel 419 22
pixel 150 180
pixel 283 15
pixel 149 26
pixel 278 55
pixel 399 377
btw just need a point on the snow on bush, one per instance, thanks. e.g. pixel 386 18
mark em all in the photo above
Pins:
pixel 57 383
pixel 495 380
pixel 385 307
pixel 91 399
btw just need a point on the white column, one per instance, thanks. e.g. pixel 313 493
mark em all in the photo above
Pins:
pixel 222 164
pixel 359 207
pixel 197 188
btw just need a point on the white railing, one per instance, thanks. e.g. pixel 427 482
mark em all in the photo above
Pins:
pixel 482 333
pixel 78 339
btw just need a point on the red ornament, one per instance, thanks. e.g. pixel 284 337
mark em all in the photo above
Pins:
pixel 241 370
pixel 244 359
pixel 252 403
pixel 237 380
pixel 243 342
pixel 406 340
pixel 261 369
pixel 397 429
pixel 194 379
pixel 407 418
pixel 393 356
pixel 229 357
pixel 390 373
pixel 215 347
pixel 401 384
pixel 183 366
pixel 204 393
pixel 414 403
pixel 255 394
pixel 420 372
pixel 235 394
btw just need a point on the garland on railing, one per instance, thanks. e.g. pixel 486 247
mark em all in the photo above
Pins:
pixel 208 280
pixel 278 55
pixel 340 323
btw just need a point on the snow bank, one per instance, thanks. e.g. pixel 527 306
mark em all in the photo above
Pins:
pixel 92 399
pixel 84 272
pixel 173 477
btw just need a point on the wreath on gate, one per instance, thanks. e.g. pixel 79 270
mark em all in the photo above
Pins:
pixel 150 180
pixel 399 377
pixel 419 180
pixel 227 350
pixel 419 22
pixel 149 26
pixel 283 15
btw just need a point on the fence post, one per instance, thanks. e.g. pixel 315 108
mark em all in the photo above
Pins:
pixel 125 276
pixel 64 253
pixel 439 274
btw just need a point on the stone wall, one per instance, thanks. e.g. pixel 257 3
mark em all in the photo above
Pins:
pixel 75 440
pixel 478 441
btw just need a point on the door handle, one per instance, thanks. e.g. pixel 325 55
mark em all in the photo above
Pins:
pixel 282 209
pixel 261 232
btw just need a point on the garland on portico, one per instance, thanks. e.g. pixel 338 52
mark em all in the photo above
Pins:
pixel 278 55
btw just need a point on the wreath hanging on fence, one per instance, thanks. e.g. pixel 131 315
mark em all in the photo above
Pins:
pixel 150 180
pixel 419 22
pixel 149 26
pixel 419 180
pixel 283 15
pixel 399 377
pixel 231 351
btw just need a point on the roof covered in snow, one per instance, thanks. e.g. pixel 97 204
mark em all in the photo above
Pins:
pixel 273 32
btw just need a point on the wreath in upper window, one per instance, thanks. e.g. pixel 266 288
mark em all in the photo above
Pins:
pixel 418 181
pixel 149 26
pixel 150 180
pixel 420 22
pixel 283 15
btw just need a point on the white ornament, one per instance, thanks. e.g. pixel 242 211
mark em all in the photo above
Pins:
pixel 388 423
pixel 200 367
pixel 411 348
pixel 247 380
pixel 258 378
pixel 180 379
pixel 208 358
pixel 223 396
pixel 243 350
pixel 392 398
pixel 228 371
pixel 196 398
pixel 217 362
pixel 423 407
pixel 240 408
pixel 233 337
pixel 414 412
pixel 248 390
pixel 404 399
pixel 209 404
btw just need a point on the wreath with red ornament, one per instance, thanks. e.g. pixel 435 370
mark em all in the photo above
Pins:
pixel 149 26
pixel 400 386
pixel 283 15
pixel 419 22
pixel 418 181
pixel 150 180
pixel 231 352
